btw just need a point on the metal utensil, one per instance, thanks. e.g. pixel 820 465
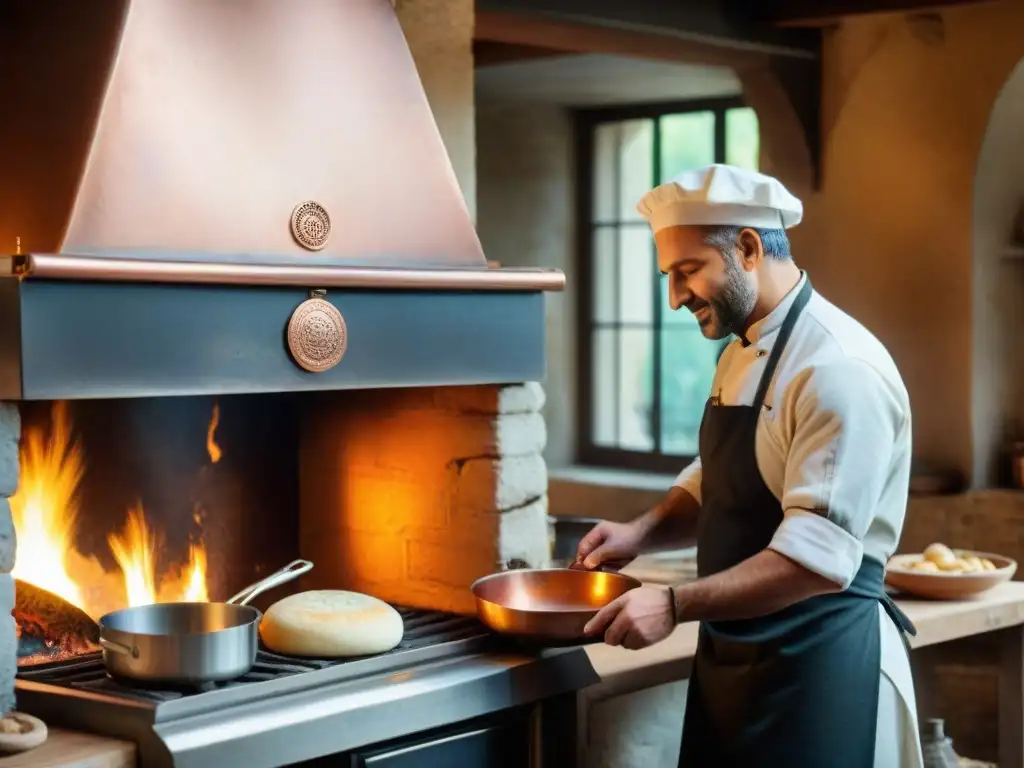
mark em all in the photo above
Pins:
pixel 189 643
pixel 547 605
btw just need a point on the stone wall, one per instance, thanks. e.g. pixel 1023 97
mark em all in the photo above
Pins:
pixel 641 729
pixel 959 681
pixel 440 37
pixel 990 521
pixel 10 433
pixel 412 494
pixel 918 105
pixel 525 217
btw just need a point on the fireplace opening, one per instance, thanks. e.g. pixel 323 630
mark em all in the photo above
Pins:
pixel 131 502
pixel 406 494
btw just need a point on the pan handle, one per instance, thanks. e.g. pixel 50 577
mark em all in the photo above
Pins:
pixel 610 566
pixel 291 571
pixel 110 645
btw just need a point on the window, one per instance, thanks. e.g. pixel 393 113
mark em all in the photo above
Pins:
pixel 645 371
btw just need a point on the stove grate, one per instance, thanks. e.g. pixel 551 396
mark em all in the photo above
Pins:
pixel 87 672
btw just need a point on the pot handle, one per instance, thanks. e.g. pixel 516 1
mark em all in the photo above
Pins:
pixel 110 645
pixel 291 571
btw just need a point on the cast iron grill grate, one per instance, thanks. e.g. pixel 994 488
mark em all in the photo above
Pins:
pixel 423 630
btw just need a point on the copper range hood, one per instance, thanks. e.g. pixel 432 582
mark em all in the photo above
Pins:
pixel 193 189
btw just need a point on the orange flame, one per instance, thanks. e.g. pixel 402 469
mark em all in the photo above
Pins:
pixel 135 552
pixel 45 511
pixel 211 444
pixel 195 589
pixel 45 507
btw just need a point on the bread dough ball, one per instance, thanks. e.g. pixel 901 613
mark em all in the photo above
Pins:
pixel 925 565
pixel 973 564
pixel 331 624
pixel 939 554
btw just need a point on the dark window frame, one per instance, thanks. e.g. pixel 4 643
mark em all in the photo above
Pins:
pixel 585 122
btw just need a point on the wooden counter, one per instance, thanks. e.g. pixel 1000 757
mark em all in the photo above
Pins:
pixel 999 611
pixel 70 749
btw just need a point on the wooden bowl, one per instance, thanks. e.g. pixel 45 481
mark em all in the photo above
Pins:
pixel 945 585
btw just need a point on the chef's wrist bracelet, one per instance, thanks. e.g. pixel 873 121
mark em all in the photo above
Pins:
pixel 672 602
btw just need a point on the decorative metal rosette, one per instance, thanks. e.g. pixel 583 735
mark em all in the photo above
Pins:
pixel 317 336
pixel 311 225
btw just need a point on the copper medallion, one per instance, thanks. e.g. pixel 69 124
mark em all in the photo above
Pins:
pixel 311 225
pixel 317 336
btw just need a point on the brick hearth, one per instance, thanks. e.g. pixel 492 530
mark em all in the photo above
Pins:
pixel 412 494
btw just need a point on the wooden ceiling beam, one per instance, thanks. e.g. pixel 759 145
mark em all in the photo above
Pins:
pixel 820 13
pixel 488 53
pixel 542 32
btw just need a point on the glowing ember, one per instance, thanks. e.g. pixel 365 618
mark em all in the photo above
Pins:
pixel 45 511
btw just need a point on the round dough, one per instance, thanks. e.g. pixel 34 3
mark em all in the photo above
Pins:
pixel 330 623
pixel 939 554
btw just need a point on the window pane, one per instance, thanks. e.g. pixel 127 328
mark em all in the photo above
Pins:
pixel 687 141
pixel 742 139
pixel 603 415
pixel 603 259
pixel 606 153
pixel 688 363
pixel 636 161
pixel 636 275
pixel 636 391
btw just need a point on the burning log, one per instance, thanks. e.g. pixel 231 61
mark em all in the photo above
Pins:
pixel 50 627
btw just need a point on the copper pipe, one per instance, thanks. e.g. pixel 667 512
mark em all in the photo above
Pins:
pixel 91 268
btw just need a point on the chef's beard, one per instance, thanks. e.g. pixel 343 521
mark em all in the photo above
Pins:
pixel 731 307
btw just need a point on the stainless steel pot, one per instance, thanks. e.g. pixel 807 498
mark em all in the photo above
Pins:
pixel 189 643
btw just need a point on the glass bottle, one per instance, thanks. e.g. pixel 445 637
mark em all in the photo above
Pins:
pixel 936 747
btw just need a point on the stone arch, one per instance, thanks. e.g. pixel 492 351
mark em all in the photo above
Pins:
pixel 997 312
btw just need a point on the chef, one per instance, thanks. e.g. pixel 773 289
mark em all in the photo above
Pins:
pixel 796 500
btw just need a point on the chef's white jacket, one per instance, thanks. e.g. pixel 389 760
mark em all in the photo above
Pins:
pixel 833 444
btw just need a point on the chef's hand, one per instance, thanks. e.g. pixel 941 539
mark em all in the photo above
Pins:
pixel 639 618
pixel 609 542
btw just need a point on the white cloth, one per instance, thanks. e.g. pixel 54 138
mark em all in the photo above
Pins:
pixel 721 194
pixel 833 444
pixel 897 737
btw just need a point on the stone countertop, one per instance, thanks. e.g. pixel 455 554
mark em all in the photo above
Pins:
pixel 936 622
pixel 70 749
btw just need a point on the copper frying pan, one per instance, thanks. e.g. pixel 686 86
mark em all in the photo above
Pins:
pixel 548 605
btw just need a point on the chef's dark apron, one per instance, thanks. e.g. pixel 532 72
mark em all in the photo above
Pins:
pixel 797 688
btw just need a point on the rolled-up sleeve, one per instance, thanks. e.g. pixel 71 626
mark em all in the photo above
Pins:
pixel 689 479
pixel 846 420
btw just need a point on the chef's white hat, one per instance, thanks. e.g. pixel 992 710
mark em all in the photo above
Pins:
pixel 721 194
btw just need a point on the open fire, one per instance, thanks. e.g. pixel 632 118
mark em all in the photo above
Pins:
pixel 46 512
